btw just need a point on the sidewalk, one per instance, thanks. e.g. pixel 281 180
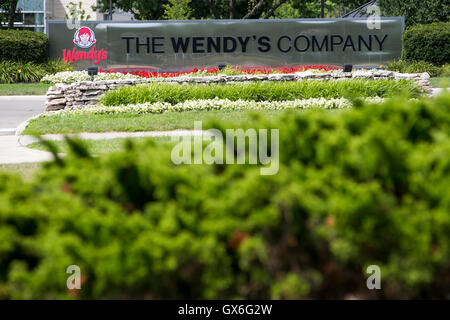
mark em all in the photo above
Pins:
pixel 12 153
pixel 26 140
pixel 13 148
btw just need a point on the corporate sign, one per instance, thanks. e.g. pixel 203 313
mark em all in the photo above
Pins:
pixel 169 45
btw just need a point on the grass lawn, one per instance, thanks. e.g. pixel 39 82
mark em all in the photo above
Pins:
pixel 22 89
pixel 98 147
pixel 25 170
pixel 440 82
pixel 137 122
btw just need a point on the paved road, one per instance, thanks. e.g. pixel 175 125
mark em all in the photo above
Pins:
pixel 16 109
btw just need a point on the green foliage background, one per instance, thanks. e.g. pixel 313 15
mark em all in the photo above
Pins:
pixel 177 10
pixel 354 188
pixel 23 46
pixel 411 66
pixel 226 9
pixel 430 43
pixel 417 11
pixel 24 72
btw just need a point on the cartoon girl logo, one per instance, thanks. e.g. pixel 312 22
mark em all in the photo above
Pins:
pixel 84 37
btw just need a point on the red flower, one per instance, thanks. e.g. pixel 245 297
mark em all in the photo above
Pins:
pixel 215 70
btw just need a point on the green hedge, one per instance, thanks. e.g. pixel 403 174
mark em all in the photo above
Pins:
pixel 408 66
pixel 259 91
pixel 429 42
pixel 354 188
pixel 24 46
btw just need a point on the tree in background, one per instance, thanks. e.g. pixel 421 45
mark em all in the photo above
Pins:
pixel 231 9
pixel 200 9
pixel 312 8
pixel 141 9
pixel 76 12
pixel 9 7
pixel 417 11
pixel 177 10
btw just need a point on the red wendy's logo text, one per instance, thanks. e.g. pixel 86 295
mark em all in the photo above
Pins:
pixel 84 38
pixel 96 56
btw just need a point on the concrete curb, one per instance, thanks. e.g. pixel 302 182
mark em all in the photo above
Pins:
pixel 7 131
pixel 22 126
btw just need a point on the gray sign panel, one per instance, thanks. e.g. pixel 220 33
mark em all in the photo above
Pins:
pixel 170 45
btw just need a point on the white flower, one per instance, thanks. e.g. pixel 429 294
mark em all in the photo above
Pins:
pixel 68 77
pixel 212 104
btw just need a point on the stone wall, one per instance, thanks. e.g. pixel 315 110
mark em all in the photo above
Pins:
pixel 79 94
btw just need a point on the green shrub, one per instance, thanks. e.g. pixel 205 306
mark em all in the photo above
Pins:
pixel 24 46
pixel 258 91
pixel 14 72
pixel 404 66
pixel 430 43
pixel 55 66
pixel 354 188
pixel 445 70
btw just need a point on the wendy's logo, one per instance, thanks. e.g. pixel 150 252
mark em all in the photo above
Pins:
pixel 84 37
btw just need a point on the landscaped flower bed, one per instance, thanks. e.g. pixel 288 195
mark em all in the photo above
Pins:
pixel 77 76
pixel 258 87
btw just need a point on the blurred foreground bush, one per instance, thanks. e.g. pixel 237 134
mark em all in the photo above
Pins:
pixel 355 188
